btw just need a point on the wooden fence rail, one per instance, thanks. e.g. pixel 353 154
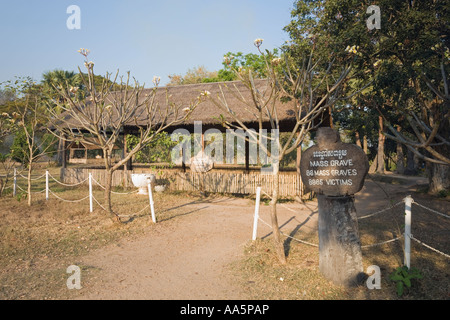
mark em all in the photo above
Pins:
pixel 216 182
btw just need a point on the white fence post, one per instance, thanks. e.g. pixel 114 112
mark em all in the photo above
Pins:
pixel 150 197
pixel 15 182
pixel 90 193
pixel 46 185
pixel 256 216
pixel 408 203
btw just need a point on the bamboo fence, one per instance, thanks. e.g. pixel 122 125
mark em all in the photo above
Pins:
pixel 216 182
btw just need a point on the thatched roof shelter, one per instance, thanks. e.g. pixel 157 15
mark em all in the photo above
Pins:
pixel 235 93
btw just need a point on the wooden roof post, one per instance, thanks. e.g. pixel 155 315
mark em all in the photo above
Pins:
pixel 247 156
pixel 63 152
pixel 128 165
pixel 300 184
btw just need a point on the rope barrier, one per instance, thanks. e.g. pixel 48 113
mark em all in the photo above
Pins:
pixel 43 190
pixel 429 247
pixel 122 215
pixel 434 211
pixel 281 204
pixel 380 211
pixel 286 235
pixel 134 214
pixel 66 184
pixel 99 204
pixel 21 175
pixel 134 191
pixel 380 243
pixel 65 200
pixel 47 174
pixel 371 215
pixel 290 209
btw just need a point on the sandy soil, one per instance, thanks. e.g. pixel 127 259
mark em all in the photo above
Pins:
pixel 188 256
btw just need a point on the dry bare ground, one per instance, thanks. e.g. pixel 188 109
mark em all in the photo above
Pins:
pixel 200 248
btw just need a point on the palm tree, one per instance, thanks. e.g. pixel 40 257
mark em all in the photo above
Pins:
pixel 59 79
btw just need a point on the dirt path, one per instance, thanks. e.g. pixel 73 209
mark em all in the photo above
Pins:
pixel 187 257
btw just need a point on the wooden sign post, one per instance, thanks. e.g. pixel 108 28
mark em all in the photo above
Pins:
pixel 336 171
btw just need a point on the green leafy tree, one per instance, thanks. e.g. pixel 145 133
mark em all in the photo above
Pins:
pixel 231 62
pixel 195 75
pixel 406 62
pixel 8 126
pixel 157 150
pixel 241 62
pixel 31 142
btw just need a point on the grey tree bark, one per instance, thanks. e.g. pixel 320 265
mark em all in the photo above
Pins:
pixel 340 257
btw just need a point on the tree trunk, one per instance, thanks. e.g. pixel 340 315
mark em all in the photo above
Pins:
pixel 357 139
pixel 400 157
pixel 60 154
pixel 279 247
pixel 365 147
pixel 380 153
pixel 29 184
pixel 374 165
pixel 438 177
pixel 108 187
pixel 410 163
pixel 439 174
pixel 340 257
pixel 300 185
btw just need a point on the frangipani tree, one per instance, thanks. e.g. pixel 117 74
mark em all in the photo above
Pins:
pixel 311 88
pixel 99 116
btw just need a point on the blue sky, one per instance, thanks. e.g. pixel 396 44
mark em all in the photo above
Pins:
pixel 147 38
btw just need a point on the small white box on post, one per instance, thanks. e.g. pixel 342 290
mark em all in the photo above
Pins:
pixel 46 185
pixel 150 197
pixel 91 204
pixel 408 202
pixel 256 216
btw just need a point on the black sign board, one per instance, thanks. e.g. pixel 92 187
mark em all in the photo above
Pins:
pixel 332 167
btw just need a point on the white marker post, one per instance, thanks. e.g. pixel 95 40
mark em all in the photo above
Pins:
pixel 256 216
pixel 46 185
pixel 90 193
pixel 150 198
pixel 15 182
pixel 408 203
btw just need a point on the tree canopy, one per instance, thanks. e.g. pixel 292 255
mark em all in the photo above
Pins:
pixel 405 62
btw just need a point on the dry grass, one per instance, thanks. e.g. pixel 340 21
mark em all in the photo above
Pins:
pixel 264 278
pixel 39 242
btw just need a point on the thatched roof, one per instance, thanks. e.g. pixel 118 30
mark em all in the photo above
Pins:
pixel 233 92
